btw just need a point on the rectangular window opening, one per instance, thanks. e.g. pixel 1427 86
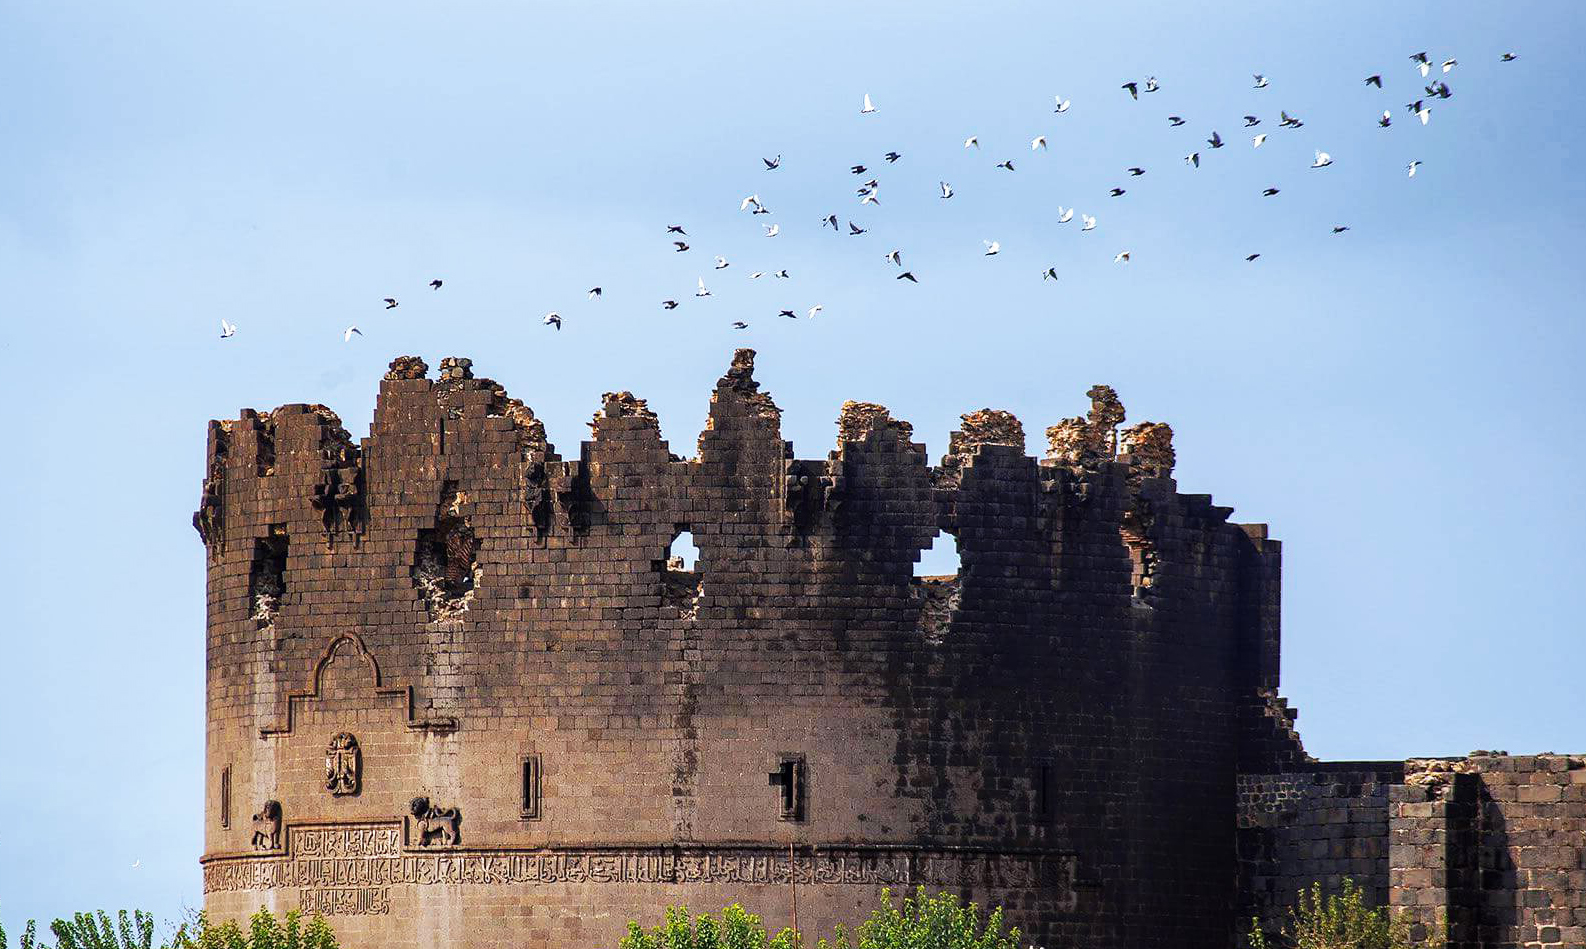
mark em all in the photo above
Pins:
pixel 791 781
pixel 530 809
pixel 225 797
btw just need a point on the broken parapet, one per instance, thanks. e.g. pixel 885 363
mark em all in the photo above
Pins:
pixel 407 367
pixel 1085 442
pixel 1148 447
pixel 986 427
pixel 858 420
pixel 623 405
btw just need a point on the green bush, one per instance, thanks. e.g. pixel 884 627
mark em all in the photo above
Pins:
pixel 95 931
pixel 1342 921
pixel 921 922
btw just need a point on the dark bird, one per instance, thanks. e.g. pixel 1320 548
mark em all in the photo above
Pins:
pixel 1415 106
pixel 1250 257
pixel 858 169
pixel 1286 120
pixel 1137 172
pixel 668 304
pixel 895 256
pixel 553 319
pixel 1251 121
pixel 832 220
pixel 891 157
pixel 772 164
pixel 787 313
pixel 1117 192
pixel 594 293
pixel 1216 141
pixel 1386 120
pixel 906 275
pixel 1340 228
pixel 1269 192
pixel 1132 89
pixel 435 284
pixel 740 325
pixel 780 274
pixel 1419 57
pixel 1006 164
pixel 1441 90
pixel 1374 80
pixel 1422 63
pixel 676 229
pixel 1049 273
pixel 680 246
pixel 1175 121
pixel 855 230
pixel 1151 84
pixel 1507 58
pixel 390 303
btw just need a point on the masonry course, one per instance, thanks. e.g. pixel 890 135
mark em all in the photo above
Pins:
pixel 459 694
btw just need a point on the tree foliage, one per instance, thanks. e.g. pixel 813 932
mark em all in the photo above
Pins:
pixel 136 931
pixel 927 922
pixel 1342 921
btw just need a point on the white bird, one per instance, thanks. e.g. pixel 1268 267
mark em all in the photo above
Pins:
pixel 772 230
pixel 1449 64
pixel 1062 104
pixel 553 319
pixel 1090 222
pixel 992 248
pixel 748 200
pixel 136 864
pixel 1322 160
pixel 947 190
pixel 1064 215
pixel 869 197
pixel 757 275
pixel 1151 84
pixel 347 336
pixel 814 310
pixel 1425 67
pixel 1193 159
pixel 1038 142
pixel 1386 120
pixel 1411 167
pixel 895 256
pixel 227 329
pixel 869 106
pixel 1122 258
pixel 1256 142
pixel 701 292
pixel 1425 114
pixel 721 262
pixel 972 140
pixel 1261 81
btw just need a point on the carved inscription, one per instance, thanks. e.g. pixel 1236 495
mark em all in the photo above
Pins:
pixel 350 864
pixel 369 901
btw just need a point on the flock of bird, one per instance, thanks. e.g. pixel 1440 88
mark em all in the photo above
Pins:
pixel 868 192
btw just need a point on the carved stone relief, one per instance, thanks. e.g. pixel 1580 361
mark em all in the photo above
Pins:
pixel 433 826
pixel 267 827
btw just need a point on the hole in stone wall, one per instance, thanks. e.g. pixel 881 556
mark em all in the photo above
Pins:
pixel 937 585
pixel 225 797
pixel 446 567
pixel 681 578
pixel 790 779
pixel 1142 556
pixel 267 577
pixel 530 809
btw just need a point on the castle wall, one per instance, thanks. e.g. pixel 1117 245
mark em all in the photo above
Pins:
pixel 1056 730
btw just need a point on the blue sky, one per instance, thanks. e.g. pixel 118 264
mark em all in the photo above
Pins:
pixel 1402 402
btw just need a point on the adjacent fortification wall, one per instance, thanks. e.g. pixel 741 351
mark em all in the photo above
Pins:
pixel 458 696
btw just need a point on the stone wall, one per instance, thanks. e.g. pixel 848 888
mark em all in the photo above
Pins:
pixel 458 695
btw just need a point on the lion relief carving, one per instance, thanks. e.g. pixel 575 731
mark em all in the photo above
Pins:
pixel 433 826
pixel 267 827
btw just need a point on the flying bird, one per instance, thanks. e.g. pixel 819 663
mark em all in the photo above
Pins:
pixel 858 169
pixel 906 275
pixel 787 313
pixel 1421 63
pixel 832 220
pixel 1441 90
pixel 869 197
pixel 701 292
pixel 1250 257
pixel 1374 80
pixel 1261 81
pixel 1064 215
pixel 1340 228
pixel 1062 104
pixel 1251 121
pixel 1193 158
pixel 435 284
pixel 680 246
pixel 1424 114
pixel 1136 172
pixel 993 248
pixel 553 319
pixel 1122 258
pixel 757 275
pixel 1386 120
pixel 678 228
pixel 668 304
pixel 869 106
pixel 743 205
pixel 1049 273
pixel 891 157
pixel 780 274
pixel 1415 106
pixel 350 332
pixel 594 293
pixel 772 230
pixel 814 310
pixel 1507 58
pixel 1412 166
pixel 1090 222
pixel 1038 142
pixel 740 324
pixel 1288 121
pixel 1151 84
pixel 973 140
pixel 1269 192
pixel 1175 121
pixel 1322 160
pixel 855 230
pixel 1006 164
pixel 947 190
pixel 772 164
pixel 721 262
pixel 390 303
pixel 1132 89
pixel 227 330
pixel 1216 141
pixel 1449 64
pixel 1256 142
pixel 895 256
pixel 1117 193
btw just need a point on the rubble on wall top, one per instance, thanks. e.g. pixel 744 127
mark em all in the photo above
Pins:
pixel 858 420
pixel 407 367
pixel 454 368
pixel 986 427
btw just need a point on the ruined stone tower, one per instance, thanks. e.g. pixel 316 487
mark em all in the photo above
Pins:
pixel 459 695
